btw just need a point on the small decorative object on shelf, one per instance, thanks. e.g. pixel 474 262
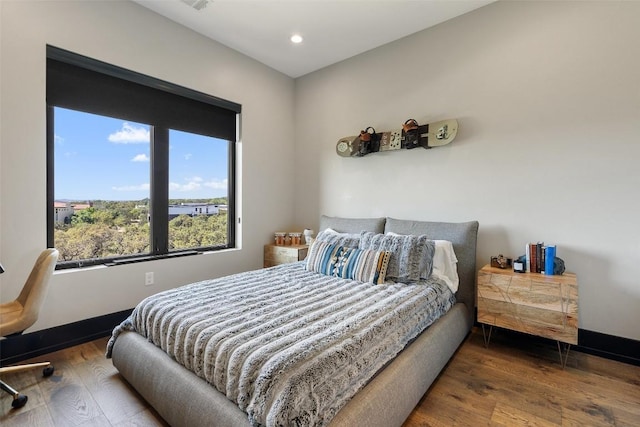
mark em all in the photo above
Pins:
pixel 308 236
pixel 295 238
pixel 280 237
pixel 519 266
pixel 501 261
pixel 291 238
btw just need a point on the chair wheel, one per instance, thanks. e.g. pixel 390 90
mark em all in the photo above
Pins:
pixel 19 401
pixel 48 371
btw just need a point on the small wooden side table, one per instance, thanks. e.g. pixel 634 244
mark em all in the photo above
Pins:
pixel 276 255
pixel 533 303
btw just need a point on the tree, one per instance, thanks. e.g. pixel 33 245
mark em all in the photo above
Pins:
pixel 83 241
pixel 114 228
pixel 200 231
pixel 86 216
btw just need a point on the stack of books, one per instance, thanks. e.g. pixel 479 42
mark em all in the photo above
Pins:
pixel 540 258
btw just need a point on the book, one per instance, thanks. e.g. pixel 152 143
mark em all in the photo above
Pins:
pixel 550 256
pixel 533 258
pixel 540 257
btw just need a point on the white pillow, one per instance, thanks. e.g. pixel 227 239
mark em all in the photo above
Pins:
pixel 445 263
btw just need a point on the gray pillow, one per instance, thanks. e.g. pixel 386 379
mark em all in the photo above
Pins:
pixel 332 237
pixel 411 256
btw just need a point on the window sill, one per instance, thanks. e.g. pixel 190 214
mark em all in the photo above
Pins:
pixel 123 261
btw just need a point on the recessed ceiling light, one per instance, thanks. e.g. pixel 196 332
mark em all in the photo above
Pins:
pixel 296 38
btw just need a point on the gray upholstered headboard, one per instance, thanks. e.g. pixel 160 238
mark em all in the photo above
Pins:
pixel 463 235
pixel 352 225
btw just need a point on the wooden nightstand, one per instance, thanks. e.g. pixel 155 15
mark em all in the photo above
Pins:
pixel 276 255
pixel 537 304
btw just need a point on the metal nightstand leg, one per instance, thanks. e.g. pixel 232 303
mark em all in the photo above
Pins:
pixel 563 359
pixel 486 338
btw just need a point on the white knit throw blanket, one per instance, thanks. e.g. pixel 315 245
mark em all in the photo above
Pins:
pixel 288 346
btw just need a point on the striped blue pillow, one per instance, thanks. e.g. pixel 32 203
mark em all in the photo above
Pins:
pixel 362 265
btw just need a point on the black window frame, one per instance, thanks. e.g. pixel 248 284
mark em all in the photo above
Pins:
pixel 83 84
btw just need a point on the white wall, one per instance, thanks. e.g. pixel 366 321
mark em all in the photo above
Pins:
pixel 548 101
pixel 129 36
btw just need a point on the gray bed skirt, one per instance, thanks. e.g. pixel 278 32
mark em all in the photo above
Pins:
pixel 183 399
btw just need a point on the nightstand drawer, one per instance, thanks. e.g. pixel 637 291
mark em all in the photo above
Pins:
pixel 276 255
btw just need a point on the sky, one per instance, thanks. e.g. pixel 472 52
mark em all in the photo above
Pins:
pixel 101 158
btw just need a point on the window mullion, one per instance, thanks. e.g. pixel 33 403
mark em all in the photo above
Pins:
pixel 50 176
pixel 231 196
pixel 159 204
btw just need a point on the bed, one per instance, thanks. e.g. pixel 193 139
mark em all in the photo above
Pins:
pixel 385 398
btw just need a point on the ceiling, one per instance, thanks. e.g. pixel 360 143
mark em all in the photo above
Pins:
pixel 333 30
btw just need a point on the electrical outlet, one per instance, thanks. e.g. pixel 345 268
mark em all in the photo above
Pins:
pixel 148 278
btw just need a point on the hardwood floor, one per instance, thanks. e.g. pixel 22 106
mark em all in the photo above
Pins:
pixel 84 390
pixel 517 381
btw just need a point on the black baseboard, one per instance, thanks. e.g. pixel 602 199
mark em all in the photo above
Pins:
pixel 27 346
pixel 609 346
pixel 22 347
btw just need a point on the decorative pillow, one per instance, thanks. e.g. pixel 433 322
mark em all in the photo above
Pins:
pixel 445 263
pixel 348 263
pixel 342 239
pixel 411 256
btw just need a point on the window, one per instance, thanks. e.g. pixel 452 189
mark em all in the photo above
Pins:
pixel 138 168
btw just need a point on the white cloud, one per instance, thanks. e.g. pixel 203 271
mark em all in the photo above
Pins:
pixel 188 156
pixel 217 185
pixel 140 158
pixel 130 135
pixel 57 139
pixel 141 187
pixel 189 186
pixel 196 183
